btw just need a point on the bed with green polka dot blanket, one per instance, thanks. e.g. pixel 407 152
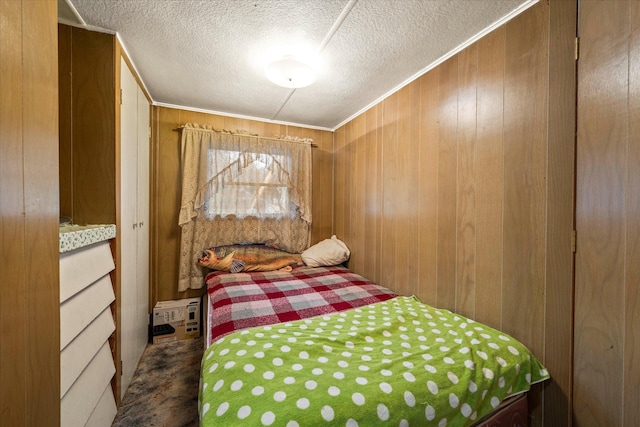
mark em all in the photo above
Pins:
pixel 394 363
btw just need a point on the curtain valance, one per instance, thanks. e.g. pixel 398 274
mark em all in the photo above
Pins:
pixel 204 173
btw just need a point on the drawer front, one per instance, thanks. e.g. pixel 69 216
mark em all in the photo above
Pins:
pixel 82 267
pixel 79 402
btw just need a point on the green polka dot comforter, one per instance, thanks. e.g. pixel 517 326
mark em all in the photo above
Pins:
pixel 395 363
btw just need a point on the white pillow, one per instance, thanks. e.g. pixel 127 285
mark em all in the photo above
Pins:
pixel 325 253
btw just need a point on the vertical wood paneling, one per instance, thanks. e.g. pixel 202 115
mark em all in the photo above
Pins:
pixel 327 179
pixel 322 170
pixel 447 183
pixel 13 378
pixel 322 186
pixel 491 190
pixel 466 186
pixel 407 175
pixel 427 191
pixel 88 120
pixel 380 188
pixel 29 208
pixel 339 183
pixel 357 214
pixel 490 178
pixel 165 200
pixel 560 209
pixel 402 179
pixel 525 145
pixel 601 211
pixel 166 187
pixel 372 201
pixel 348 186
pixel 65 122
pixel 389 188
pixel 632 280
pixel 93 127
pixel 525 168
pixel 41 210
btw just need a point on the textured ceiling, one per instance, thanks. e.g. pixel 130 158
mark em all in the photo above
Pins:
pixel 209 55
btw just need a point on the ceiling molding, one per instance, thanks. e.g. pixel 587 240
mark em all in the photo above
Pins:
pixel 239 116
pixel 443 58
pixel 68 14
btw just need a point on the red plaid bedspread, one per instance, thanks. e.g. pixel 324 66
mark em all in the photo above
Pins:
pixel 242 300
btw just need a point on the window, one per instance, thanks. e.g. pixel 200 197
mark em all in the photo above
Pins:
pixel 251 184
pixel 241 188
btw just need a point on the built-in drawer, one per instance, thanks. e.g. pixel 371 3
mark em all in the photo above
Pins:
pixel 77 355
pixel 81 399
pixel 86 323
pixel 82 267
pixel 79 311
pixel 105 410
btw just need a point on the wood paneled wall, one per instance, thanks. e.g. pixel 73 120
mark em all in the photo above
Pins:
pixel 165 194
pixel 87 125
pixel 607 307
pixel 458 188
pixel 29 256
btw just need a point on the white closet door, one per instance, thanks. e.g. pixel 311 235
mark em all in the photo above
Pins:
pixel 134 196
pixel 128 224
pixel 142 308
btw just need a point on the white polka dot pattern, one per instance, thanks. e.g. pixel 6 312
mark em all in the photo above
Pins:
pixel 397 362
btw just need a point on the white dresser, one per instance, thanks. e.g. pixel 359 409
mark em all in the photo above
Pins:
pixel 86 323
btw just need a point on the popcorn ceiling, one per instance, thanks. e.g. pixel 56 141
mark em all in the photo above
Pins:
pixel 202 54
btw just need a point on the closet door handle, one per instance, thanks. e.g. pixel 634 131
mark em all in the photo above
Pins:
pixel 135 225
pixel 140 224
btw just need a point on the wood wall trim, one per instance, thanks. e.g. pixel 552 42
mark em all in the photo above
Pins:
pixel 632 239
pixel 559 296
pixel 113 51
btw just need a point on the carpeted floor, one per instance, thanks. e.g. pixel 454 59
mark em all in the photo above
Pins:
pixel 164 388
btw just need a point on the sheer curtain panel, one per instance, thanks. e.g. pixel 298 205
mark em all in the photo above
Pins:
pixel 241 188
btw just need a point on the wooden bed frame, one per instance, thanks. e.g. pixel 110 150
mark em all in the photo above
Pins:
pixel 513 412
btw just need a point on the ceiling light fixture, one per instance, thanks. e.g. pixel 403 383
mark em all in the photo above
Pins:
pixel 291 72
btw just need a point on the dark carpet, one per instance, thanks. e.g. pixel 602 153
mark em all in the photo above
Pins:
pixel 164 388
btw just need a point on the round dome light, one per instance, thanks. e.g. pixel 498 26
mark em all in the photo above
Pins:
pixel 290 72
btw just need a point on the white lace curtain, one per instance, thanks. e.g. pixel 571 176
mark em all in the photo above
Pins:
pixel 240 188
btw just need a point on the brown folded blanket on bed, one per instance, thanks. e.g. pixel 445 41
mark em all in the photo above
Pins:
pixel 248 257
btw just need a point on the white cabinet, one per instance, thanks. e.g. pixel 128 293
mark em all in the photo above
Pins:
pixel 86 323
pixel 134 223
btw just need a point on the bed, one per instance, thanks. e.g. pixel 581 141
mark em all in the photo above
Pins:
pixel 325 346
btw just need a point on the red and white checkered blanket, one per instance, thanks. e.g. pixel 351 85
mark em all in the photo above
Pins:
pixel 242 300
